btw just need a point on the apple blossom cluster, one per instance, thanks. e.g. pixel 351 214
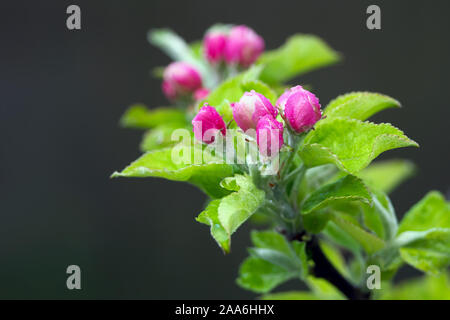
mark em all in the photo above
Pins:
pixel 235 46
pixel 253 152
pixel 238 45
pixel 299 108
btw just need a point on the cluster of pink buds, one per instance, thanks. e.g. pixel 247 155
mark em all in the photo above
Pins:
pixel 300 107
pixel 239 46
pixel 180 79
pixel 254 111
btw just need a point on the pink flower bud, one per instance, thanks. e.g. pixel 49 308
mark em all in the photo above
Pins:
pixel 281 102
pixel 206 124
pixel 251 107
pixel 301 108
pixel 200 94
pixel 244 46
pixel 269 136
pixel 180 79
pixel 169 90
pixel 214 45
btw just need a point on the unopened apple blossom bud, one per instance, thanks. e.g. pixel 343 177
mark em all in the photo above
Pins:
pixel 281 102
pixel 243 46
pixel 180 79
pixel 207 123
pixel 200 94
pixel 269 136
pixel 214 45
pixel 301 108
pixel 251 107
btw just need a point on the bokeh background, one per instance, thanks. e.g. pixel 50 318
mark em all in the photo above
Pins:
pixel 62 93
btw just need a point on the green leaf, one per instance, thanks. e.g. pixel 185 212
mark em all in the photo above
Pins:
pixel 232 89
pixel 424 234
pixel 197 49
pixel 350 144
pixel 174 46
pixel 237 207
pixel 301 257
pixel 271 240
pixel 261 276
pixel 430 212
pixel 323 289
pixel 346 189
pixel 370 242
pixel 206 172
pixel 260 87
pixel 159 137
pixel 381 217
pixel 273 247
pixel 339 236
pixel 387 175
pixel 291 295
pixel 423 288
pixel 359 105
pixel 428 250
pixel 225 110
pixel 272 253
pixel 275 257
pixel 210 217
pixel 315 223
pixel 301 53
pixel 139 116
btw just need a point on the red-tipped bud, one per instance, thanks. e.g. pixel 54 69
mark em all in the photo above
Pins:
pixel 243 46
pixel 301 108
pixel 269 136
pixel 250 108
pixel 200 94
pixel 180 79
pixel 214 45
pixel 207 123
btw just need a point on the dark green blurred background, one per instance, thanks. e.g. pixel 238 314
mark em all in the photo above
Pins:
pixel 62 93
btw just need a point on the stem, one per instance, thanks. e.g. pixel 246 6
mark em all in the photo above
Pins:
pixel 324 269
pixel 296 185
pixel 295 143
pixel 293 173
